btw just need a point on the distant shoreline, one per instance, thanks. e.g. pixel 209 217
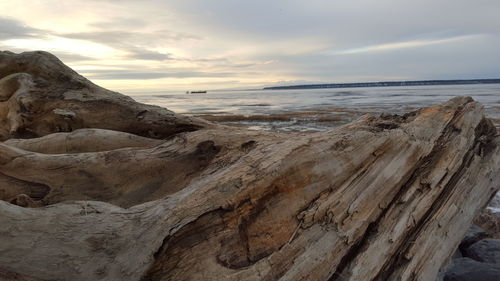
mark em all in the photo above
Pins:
pixel 388 84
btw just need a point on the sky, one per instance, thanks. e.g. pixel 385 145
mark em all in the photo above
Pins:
pixel 179 45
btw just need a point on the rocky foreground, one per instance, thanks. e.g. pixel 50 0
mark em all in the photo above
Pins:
pixel 477 258
pixel 95 186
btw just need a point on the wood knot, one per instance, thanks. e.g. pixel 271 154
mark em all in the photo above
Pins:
pixel 207 150
pixel 387 125
pixel 247 146
pixel 24 200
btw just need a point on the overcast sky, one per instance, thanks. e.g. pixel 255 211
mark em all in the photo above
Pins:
pixel 137 45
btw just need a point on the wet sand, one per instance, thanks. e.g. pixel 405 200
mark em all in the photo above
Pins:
pixel 314 119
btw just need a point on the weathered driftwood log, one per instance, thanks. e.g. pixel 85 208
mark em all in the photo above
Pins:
pixel 382 198
pixel 40 95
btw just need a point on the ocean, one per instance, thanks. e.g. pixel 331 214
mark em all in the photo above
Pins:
pixel 315 109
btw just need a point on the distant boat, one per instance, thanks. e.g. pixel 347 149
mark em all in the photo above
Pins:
pixel 196 92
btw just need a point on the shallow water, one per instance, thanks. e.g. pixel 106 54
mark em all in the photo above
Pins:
pixel 320 104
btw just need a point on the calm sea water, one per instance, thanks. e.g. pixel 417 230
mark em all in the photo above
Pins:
pixel 357 100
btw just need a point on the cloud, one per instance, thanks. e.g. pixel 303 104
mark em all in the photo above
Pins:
pixel 10 29
pixel 144 54
pixel 460 59
pixel 137 45
pixel 68 57
pixel 113 74
pixel 119 23
pixel 403 45
pixel 113 37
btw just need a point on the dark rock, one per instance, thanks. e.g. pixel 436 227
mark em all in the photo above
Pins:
pixel 474 234
pixel 457 254
pixel 466 269
pixel 490 222
pixel 486 250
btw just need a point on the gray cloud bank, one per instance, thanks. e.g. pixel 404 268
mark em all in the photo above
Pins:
pixel 10 29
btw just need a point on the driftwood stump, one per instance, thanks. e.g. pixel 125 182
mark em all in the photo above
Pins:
pixel 98 187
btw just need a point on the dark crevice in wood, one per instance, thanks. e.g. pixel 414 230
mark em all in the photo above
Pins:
pixel 188 235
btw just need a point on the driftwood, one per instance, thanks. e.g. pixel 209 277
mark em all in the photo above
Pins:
pixel 40 95
pixel 141 193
